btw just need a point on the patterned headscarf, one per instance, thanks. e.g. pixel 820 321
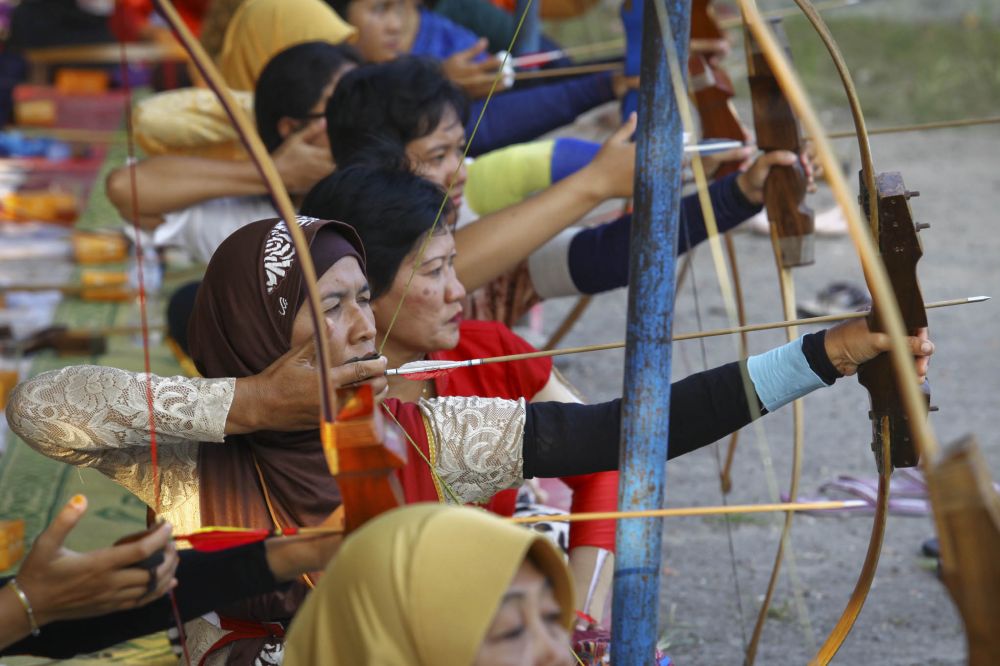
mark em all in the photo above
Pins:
pixel 242 322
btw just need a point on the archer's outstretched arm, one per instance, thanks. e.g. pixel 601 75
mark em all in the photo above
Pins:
pixel 499 241
pixel 709 405
pixel 557 439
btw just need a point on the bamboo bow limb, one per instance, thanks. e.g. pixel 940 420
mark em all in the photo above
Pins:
pixel 772 108
pixel 859 594
pixel 248 134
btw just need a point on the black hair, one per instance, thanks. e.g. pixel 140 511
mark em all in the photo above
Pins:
pixel 394 102
pixel 291 83
pixel 340 6
pixel 391 209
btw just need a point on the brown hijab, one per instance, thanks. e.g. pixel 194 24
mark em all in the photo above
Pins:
pixel 242 322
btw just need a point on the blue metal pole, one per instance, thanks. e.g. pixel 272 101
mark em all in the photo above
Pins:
pixel 646 394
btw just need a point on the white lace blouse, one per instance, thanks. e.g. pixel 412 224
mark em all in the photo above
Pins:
pixel 93 416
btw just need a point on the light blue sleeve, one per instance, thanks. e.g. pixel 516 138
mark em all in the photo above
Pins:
pixel 782 375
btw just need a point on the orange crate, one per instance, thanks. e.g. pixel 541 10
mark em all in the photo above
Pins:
pixel 96 248
pixel 40 205
pixel 11 543
pixel 82 81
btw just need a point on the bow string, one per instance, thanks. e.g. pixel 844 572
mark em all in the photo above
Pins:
pixel 144 326
pixel 792 237
pixel 713 92
pixel 451 181
pixel 724 281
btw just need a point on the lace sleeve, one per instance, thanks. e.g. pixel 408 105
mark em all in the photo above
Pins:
pixel 476 444
pixel 93 416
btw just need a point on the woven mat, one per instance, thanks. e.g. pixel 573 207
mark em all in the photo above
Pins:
pixel 33 487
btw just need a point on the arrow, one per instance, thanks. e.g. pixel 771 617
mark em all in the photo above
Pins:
pixel 423 370
pixel 694 511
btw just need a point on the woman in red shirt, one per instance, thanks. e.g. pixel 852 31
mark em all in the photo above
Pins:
pixel 427 324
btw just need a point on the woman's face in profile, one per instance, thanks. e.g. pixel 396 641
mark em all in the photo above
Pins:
pixel 527 629
pixel 345 299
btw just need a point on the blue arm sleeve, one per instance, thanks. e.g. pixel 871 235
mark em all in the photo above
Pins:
pixel 569 155
pixel 523 115
pixel 440 37
pixel 730 207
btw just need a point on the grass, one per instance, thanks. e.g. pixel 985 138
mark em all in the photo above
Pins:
pixel 904 71
pixel 907 69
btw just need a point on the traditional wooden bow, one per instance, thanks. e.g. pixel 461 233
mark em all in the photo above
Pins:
pixel 282 201
pixel 881 288
pixel 884 200
pixel 775 57
pixel 966 505
pixel 363 457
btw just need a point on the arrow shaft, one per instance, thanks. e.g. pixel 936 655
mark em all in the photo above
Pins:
pixel 679 512
pixel 694 511
pixel 750 328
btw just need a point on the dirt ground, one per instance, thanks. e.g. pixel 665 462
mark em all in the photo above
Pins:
pixel 711 590
pixel 908 618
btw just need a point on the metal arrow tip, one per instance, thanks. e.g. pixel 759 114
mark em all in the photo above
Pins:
pixel 979 299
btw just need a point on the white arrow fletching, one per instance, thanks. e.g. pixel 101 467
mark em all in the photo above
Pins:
pixel 424 366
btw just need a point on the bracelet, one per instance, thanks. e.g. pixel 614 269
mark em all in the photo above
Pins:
pixel 35 630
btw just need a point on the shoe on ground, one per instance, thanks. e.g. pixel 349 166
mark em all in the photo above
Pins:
pixel 836 298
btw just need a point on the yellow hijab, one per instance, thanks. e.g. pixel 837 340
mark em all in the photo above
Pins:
pixel 419 585
pixel 260 29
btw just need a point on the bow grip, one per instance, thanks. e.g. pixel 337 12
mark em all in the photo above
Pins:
pixel 888 414
pixel 368 451
pixel 784 199
pixel 900 249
